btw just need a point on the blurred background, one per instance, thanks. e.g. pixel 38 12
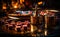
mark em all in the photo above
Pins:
pixel 38 18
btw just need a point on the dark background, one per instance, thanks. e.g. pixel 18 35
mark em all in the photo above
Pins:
pixel 50 4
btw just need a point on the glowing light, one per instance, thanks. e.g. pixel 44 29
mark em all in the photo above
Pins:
pixel 39 3
pixel 34 14
pixel 13 17
pixel 34 35
pixel 15 6
pixel 31 19
pixel 46 21
pixel 45 32
pixel 46 25
pixel 21 1
pixel 39 30
pixel 32 28
pixel 53 10
pixel 4 7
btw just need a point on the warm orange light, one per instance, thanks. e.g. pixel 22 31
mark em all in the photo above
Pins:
pixel 4 7
pixel 21 1
pixel 32 28
pixel 39 3
pixel 31 19
pixel 15 6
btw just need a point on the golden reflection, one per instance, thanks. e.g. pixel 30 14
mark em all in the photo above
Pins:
pixel 46 22
pixel 32 28
pixel 39 3
pixel 31 19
